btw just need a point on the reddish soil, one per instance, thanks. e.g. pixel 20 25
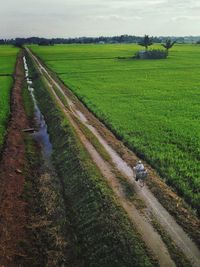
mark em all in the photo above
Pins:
pixel 12 207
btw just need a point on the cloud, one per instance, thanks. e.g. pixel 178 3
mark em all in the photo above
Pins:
pixel 183 18
pixel 114 17
pixel 98 17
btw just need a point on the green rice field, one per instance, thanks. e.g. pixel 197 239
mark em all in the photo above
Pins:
pixel 8 55
pixel 152 105
pixel 7 64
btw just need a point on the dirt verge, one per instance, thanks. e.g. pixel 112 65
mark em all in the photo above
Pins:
pixel 12 207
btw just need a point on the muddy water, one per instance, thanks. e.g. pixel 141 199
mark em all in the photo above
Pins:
pixel 41 135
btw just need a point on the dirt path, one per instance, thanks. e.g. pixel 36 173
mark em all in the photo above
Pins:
pixel 12 208
pixel 149 235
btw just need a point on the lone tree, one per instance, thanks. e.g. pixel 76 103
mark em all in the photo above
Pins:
pixel 146 42
pixel 168 44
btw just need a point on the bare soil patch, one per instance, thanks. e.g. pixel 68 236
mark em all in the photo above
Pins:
pixel 12 208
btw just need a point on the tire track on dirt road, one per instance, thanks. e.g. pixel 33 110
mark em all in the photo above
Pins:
pixel 177 234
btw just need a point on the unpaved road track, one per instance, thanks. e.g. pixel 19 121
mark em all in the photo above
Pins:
pixel 13 217
pixel 150 236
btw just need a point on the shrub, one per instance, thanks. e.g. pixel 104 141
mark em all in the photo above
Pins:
pixel 151 54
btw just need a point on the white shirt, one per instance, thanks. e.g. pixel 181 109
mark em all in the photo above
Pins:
pixel 139 167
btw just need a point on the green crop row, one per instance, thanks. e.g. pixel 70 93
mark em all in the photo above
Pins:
pixel 8 56
pixel 152 105
pixel 7 64
pixel 104 235
pixel 5 86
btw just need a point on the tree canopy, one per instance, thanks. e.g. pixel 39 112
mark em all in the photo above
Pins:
pixel 146 41
pixel 168 44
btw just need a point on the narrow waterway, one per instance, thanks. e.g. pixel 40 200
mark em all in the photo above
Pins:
pixel 40 135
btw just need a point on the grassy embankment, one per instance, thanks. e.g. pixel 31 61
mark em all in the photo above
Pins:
pixel 104 235
pixel 152 105
pixel 8 56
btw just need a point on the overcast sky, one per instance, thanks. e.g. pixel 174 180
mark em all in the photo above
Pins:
pixel 72 18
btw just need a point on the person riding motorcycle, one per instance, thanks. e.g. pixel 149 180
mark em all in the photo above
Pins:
pixel 140 172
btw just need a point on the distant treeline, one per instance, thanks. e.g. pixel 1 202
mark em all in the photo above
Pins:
pixel 95 40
